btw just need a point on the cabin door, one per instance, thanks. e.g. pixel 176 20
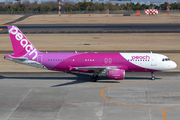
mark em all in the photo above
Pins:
pixel 153 60
pixel 110 60
pixel 107 60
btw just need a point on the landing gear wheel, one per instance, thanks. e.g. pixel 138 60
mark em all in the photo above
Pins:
pixel 152 76
pixel 94 79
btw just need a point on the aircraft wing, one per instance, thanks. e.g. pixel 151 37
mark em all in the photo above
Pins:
pixel 96 68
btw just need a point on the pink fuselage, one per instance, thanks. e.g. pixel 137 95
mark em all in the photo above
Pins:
pixel 67 61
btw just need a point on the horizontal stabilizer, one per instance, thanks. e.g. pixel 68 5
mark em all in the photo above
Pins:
pixel 19 58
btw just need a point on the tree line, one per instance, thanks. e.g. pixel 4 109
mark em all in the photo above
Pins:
pixel 81 6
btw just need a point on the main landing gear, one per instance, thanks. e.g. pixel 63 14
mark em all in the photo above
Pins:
pixel 94 77
pixel 152 76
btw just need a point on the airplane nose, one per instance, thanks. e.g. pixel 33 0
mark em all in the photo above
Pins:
pixel 174 65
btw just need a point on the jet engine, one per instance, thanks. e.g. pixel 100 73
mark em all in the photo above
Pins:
pixel 116 74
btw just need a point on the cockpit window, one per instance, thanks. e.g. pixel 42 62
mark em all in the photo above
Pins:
pixel 165 59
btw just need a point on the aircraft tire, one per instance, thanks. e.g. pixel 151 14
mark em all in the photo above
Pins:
pixel 153 78
pixel 94 80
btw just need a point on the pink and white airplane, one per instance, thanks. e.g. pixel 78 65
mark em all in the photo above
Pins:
pixel 112 65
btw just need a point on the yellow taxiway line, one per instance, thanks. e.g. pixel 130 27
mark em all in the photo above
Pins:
pixel 125 103
pixel 163 110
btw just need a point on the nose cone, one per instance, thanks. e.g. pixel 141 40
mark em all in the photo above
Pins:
pixel 173 65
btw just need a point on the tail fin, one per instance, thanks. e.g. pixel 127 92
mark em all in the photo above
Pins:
pixel 21 45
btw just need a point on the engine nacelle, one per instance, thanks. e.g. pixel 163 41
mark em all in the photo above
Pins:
pixel 115 74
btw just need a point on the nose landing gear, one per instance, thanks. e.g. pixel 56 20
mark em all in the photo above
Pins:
pixel 152 76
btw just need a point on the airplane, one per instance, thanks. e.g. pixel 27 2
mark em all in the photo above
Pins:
pixel 112 65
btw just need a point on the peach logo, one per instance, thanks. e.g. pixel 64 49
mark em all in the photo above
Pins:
pixel 23 42
pixel 140 57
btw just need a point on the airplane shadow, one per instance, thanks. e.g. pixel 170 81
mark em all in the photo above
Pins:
pixel 80 78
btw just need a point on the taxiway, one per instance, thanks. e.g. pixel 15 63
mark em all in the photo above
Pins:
pixel 60 96
pixel 96 28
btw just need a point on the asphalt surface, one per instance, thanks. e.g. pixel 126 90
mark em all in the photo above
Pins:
pixel 98 28
pixel 59 96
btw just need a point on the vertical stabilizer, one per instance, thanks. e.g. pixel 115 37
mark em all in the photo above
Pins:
pixel 21 45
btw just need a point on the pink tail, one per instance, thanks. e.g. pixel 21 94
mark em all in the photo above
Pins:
pixel 21 45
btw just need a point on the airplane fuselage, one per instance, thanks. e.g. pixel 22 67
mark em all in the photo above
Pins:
pixel 137 62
